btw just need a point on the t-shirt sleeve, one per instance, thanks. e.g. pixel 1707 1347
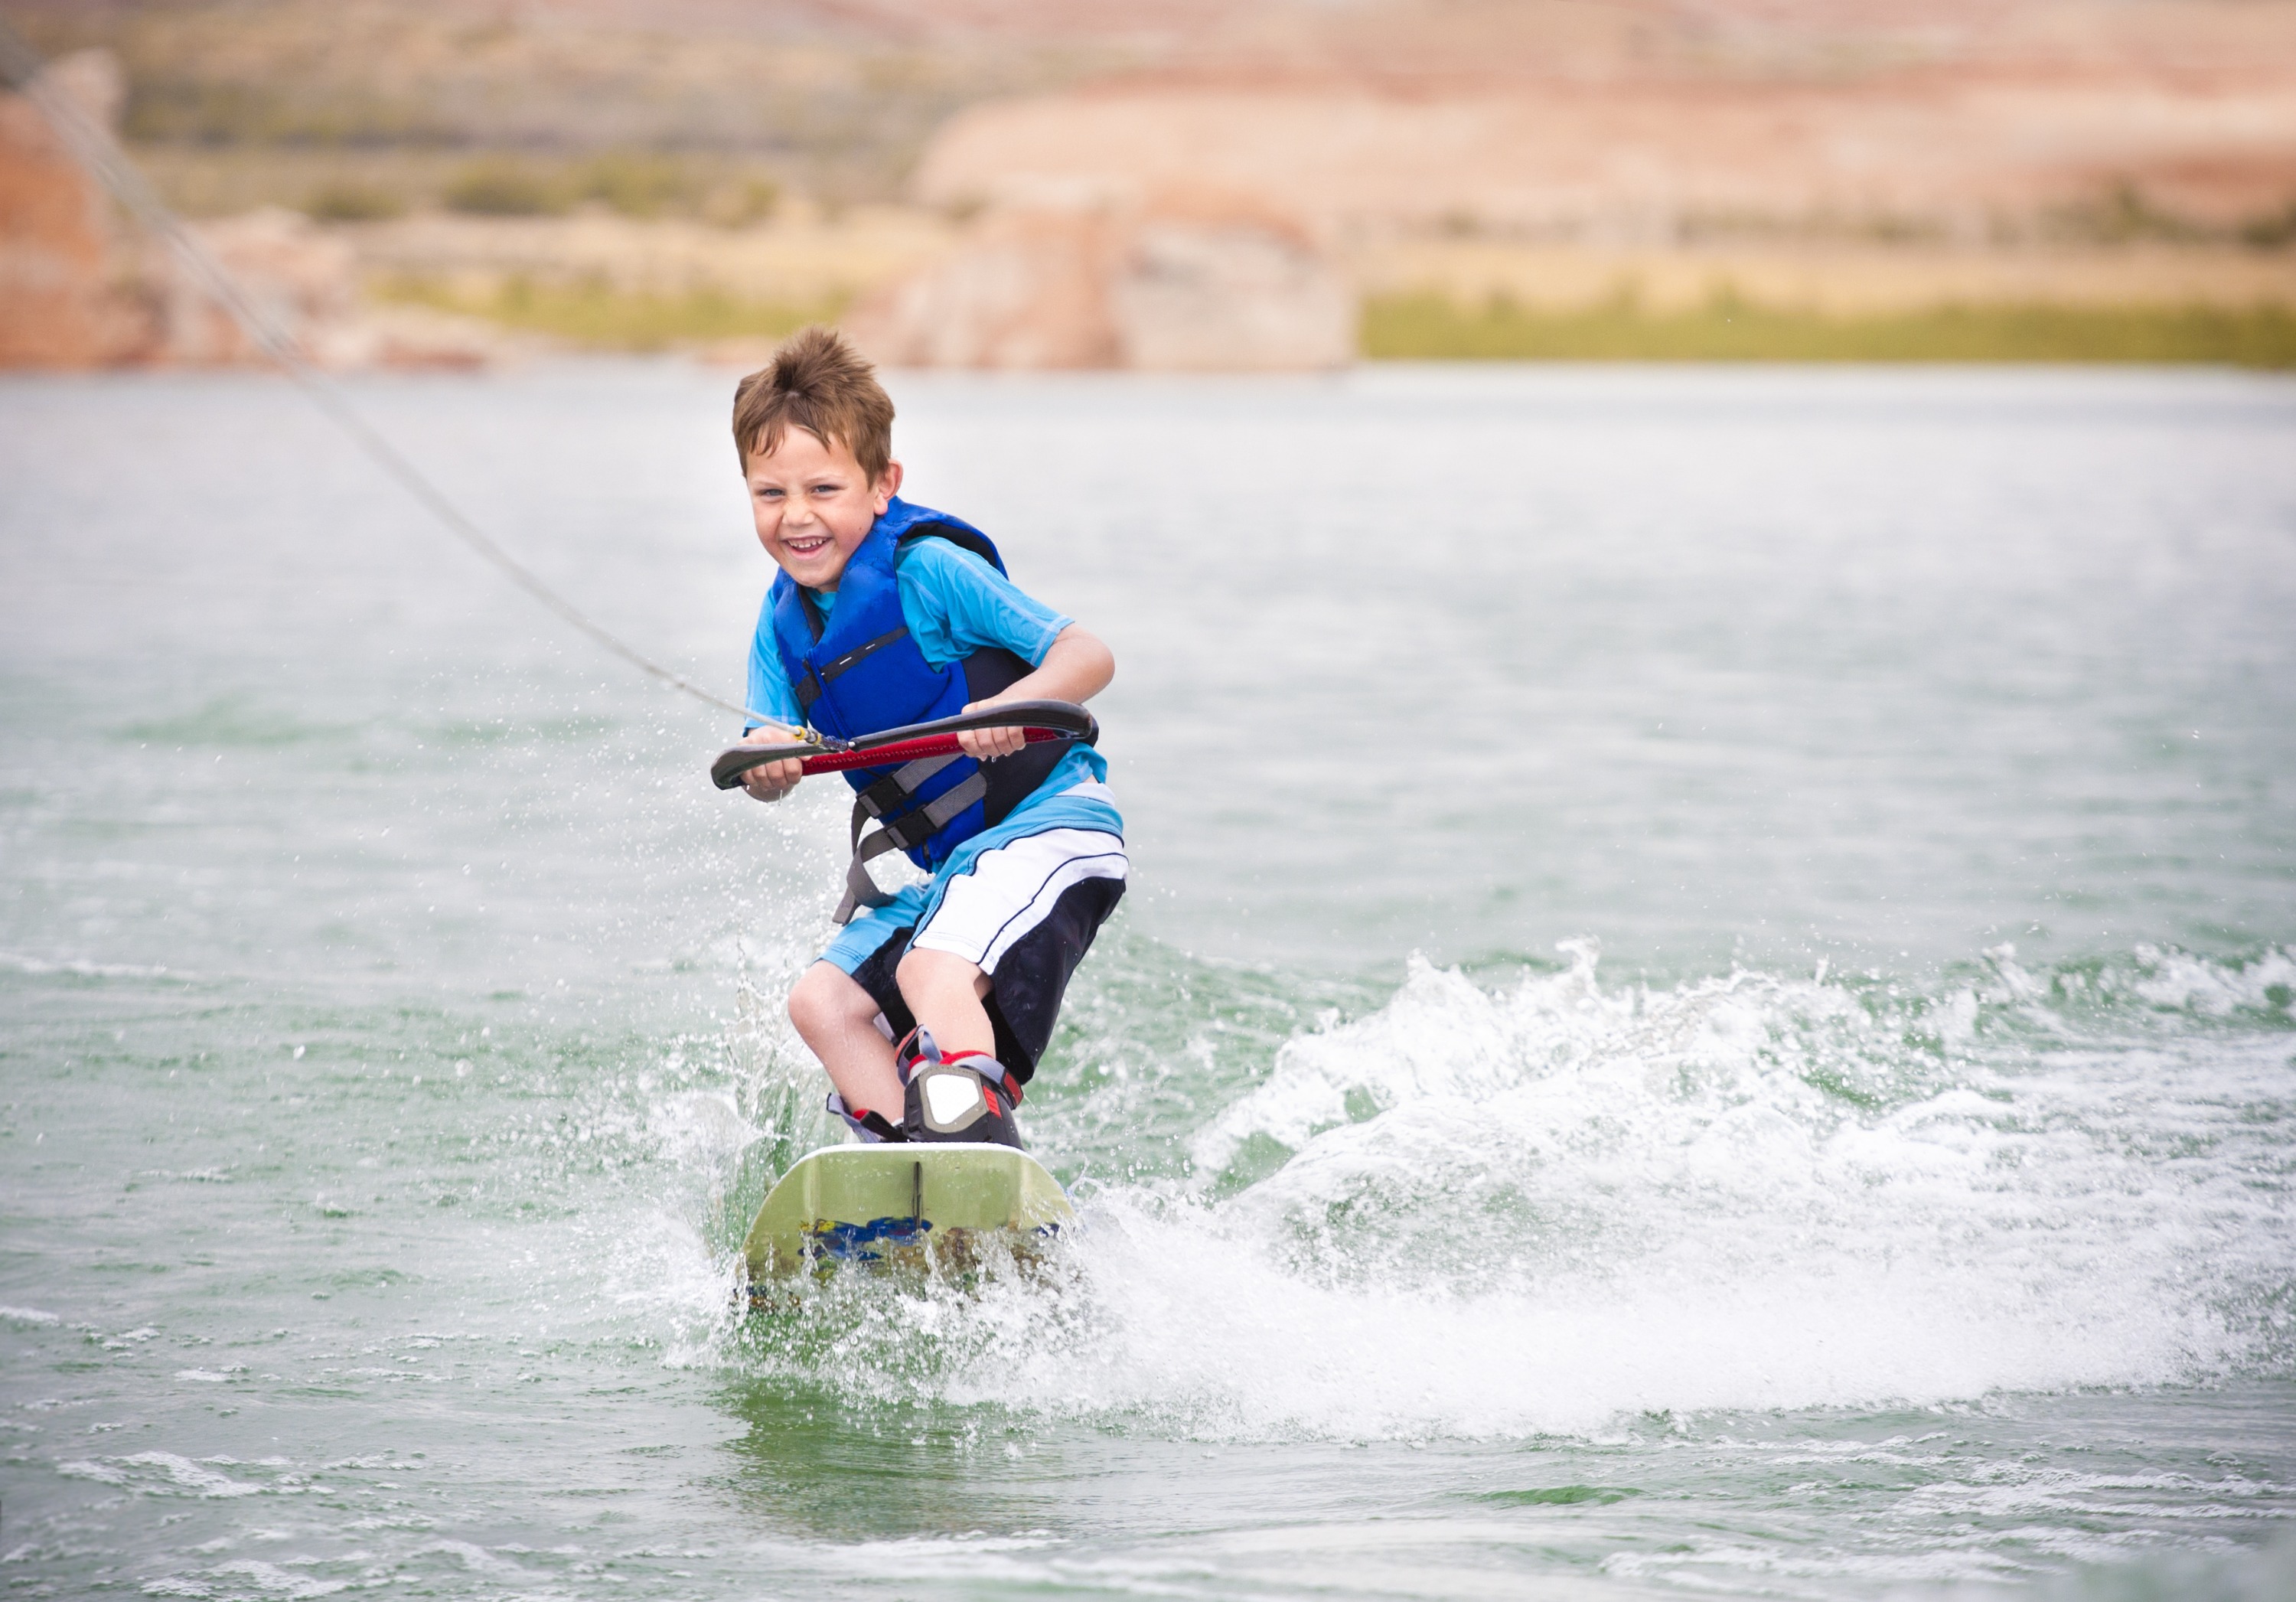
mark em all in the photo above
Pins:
pixel 769 691
pixel 957 603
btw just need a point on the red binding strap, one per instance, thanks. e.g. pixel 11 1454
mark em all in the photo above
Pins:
pixel 1004 1079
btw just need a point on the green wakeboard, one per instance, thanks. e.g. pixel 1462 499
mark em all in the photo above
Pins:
pixel 896 1203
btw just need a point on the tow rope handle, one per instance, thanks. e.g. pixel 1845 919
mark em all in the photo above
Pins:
pixel 1040 720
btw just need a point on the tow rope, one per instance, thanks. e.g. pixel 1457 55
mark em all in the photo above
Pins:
pixel 94 149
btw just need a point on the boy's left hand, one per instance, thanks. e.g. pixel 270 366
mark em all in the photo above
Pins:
pixel 986 744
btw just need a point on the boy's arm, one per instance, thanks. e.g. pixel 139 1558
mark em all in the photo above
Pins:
pixel 1077 668
pixel 769 696
pixel 954 602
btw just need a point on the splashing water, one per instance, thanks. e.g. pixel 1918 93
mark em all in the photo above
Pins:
pixel 1549 1207
pixel 394 1051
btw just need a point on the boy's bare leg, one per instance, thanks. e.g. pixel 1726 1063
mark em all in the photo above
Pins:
pixel 836 1017
pixel 944 992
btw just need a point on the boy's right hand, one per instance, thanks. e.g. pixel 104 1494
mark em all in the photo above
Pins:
pixel 770 781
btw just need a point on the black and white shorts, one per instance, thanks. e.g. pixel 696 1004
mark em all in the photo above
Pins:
pixel 1023 911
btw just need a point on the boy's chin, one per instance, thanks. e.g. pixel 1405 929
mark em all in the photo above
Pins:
pixel 815 573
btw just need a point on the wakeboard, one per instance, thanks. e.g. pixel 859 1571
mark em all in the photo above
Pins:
pixel 903 1202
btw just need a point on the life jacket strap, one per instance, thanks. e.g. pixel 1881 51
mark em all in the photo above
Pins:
pixel 904 834
pixel 893 792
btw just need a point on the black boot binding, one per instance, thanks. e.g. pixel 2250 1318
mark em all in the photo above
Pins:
pixel 969 1096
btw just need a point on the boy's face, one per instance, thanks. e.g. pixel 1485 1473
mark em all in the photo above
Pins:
pixel 814 506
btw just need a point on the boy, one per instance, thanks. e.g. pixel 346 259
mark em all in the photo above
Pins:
pixel 886 613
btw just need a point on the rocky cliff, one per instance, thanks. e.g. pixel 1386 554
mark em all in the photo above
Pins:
pixel 1168 286
pixel 71 295
pixel 2008 121
pixel 79 289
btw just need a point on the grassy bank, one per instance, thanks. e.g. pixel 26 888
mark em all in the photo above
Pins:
pixel 1432 327
pixel 603 317
pixel 1426 327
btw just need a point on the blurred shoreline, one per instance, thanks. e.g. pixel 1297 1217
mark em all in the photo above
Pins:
pixel 1274 186
pixel 601 282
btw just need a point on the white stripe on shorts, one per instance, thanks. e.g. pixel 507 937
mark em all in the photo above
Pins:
pixel 1012 889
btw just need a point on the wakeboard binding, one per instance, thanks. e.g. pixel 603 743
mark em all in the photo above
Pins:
pixel 966 1095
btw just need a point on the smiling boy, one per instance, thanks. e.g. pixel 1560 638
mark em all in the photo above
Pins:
pixel 886 613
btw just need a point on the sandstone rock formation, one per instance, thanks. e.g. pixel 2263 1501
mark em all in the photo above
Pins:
pixel 301 281
pixel 1655 122
pixel 1177 285
pixel 1647 162
pixel 1229 294
pixel 69 294
pixel 79 290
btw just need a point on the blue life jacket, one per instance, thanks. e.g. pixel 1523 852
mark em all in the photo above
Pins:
pixel 860 673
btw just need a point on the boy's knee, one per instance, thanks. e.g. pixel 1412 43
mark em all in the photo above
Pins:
pixel 925 973
pixel 825 997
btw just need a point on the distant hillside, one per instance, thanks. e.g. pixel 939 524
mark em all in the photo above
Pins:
pixel 1629 114
pixel 2056 120
pixel 1219 181
pixel 834 100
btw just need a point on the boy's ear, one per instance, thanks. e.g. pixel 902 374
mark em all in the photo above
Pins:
pixel 888 485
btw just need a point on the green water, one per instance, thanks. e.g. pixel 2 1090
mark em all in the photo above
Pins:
pixel 1707 1004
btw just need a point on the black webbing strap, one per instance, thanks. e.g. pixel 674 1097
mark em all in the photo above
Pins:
pixel 838 664
pixel 894 791
pixel 870 1126
pixel 818 679
pixel 905 833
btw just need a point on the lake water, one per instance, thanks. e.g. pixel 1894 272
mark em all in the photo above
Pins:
pixel 1706 1006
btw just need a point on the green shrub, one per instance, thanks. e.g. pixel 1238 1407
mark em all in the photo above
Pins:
pixel 218 113
pixel 191 111
pixel 737 205
pixel 637 184
pixel 1431 327
pixel 347 202
pixel 596 314
pixel 2272 230
pixel 500 188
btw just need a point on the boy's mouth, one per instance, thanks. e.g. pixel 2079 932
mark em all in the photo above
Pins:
pixel 806 545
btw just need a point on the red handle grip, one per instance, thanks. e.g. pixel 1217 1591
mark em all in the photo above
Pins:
pixel 1038 721
pixel 906 751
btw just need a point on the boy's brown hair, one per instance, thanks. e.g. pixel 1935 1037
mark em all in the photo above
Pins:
pixel 818 383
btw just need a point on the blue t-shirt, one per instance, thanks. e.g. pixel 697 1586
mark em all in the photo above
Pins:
pixel 955 603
